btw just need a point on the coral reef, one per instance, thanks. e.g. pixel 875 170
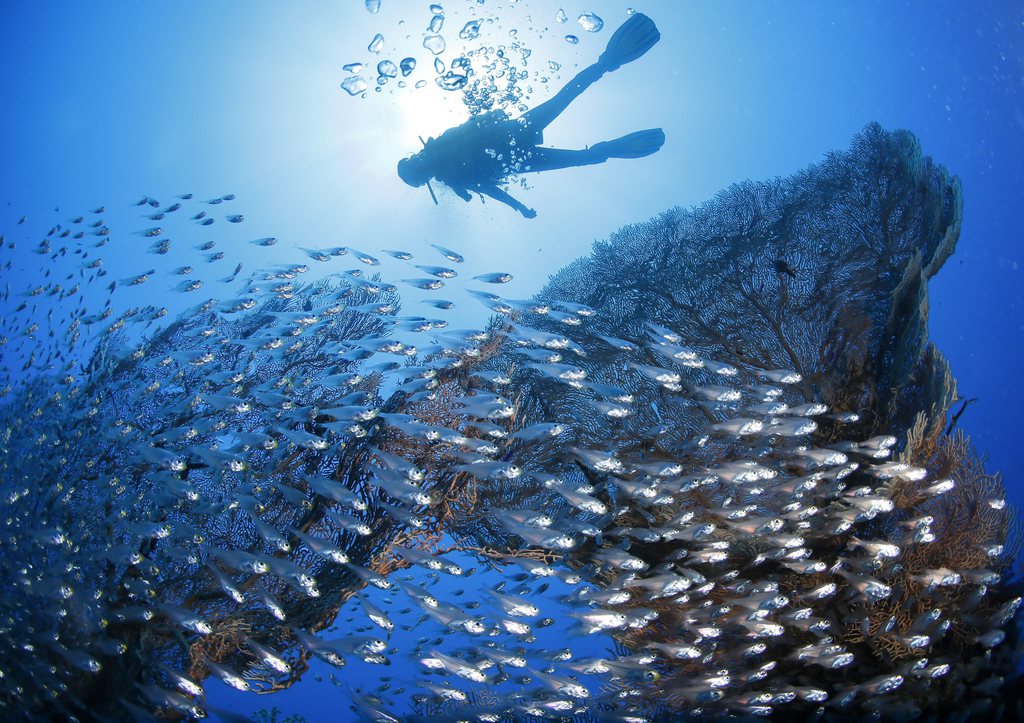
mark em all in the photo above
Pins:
pixel 725 435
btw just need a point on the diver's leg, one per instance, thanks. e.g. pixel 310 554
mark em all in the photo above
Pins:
pixel 633 38
pixel 540 117
pixel 633 145
pixel 552 159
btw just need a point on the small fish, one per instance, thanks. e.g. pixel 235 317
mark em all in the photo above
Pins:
pixel 494 278
pixel 438 303
pixel 187 286
pixel 441 272
pixel 268 657
pixel 428 284
pixel 449 254
pixel 782 267
pixel 376 615
pixel 365 258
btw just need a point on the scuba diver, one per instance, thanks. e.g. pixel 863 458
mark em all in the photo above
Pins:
pixel 488 149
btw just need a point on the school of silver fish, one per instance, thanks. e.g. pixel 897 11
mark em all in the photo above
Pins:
pixel 734 570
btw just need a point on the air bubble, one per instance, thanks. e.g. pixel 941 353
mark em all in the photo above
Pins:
pixel 590 22
pixel 354 85
pixel 470 30
pixel 452 81
pixel 434 43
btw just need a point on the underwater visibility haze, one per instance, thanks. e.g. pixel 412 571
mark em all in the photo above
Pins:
pixel 500 360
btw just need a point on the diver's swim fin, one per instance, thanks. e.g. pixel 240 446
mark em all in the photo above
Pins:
pixel 633 38
pixel 635 145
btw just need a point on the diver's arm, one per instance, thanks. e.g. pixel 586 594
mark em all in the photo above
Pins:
pixel 461 193
pixel 501 196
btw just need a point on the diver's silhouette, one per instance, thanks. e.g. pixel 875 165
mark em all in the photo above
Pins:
pixel 487 149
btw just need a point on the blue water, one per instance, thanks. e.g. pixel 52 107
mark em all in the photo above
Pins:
pixel 106 102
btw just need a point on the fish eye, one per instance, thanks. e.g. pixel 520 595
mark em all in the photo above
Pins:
pixel 652 675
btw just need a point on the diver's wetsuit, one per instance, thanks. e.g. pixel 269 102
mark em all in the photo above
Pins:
pixel 481 153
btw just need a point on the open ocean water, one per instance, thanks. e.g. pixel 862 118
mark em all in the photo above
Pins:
pixel 501 360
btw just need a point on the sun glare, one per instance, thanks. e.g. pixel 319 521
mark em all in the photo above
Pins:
pixel 426 112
